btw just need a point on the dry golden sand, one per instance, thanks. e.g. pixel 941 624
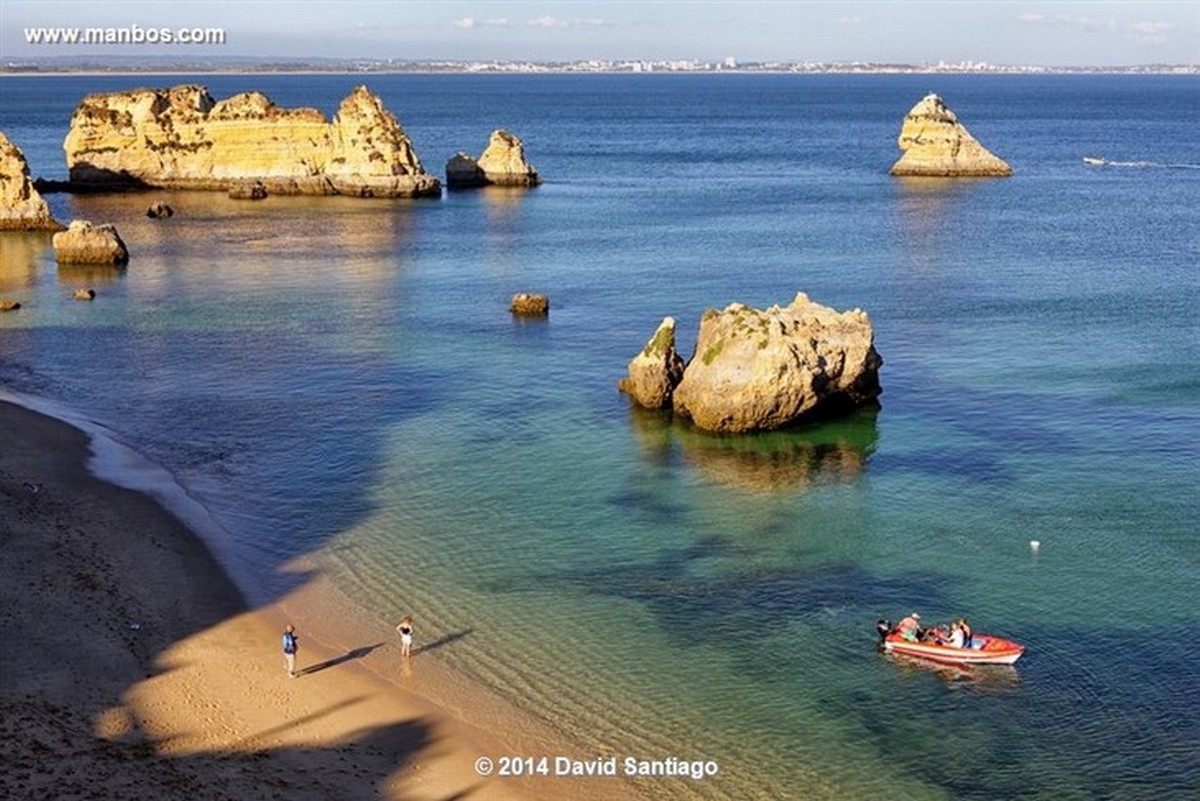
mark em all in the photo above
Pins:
pixel 131 668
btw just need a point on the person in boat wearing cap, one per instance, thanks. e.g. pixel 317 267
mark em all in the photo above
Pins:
pixel 909 627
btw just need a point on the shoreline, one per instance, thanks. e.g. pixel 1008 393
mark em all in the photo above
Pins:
pixel 137 667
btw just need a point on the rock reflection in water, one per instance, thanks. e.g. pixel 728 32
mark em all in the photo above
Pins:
pixel 816 455
pixel 20 254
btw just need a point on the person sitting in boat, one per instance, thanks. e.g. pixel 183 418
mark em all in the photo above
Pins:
pixel 909 627
pixel 957 638
pixel 938 635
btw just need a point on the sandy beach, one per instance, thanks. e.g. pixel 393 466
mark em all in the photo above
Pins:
pixel 133 668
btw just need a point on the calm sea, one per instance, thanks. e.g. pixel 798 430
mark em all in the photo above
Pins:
pixel 341 380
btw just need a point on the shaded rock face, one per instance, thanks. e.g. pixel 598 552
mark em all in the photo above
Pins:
pixel 935 143
pixel 656 370
pixel 21 207
pixel 462 171
pixel 85 243
pixel 527 304
pixel 181 138
pixel 766 369
pixel 248 190
pixel 502 164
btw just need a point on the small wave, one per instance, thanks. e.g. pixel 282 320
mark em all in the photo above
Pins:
pixel 1162 165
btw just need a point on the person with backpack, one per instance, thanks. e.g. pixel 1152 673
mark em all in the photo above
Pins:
pixel 291 644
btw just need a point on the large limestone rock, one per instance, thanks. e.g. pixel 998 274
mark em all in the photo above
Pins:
pixel 656 370
pixel 21 207
pixel 502 164
pixel 935 143
pixel 85 243
pixel 181 138
pixel 530 304
pixel 764 369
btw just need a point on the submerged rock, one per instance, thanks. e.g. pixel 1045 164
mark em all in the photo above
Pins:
pixel 85 243
pixel 765 369
pixel 21 207
pixel 181 138
pixel 656 370
pixel 935 143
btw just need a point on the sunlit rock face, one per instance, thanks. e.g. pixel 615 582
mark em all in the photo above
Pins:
pixel 756 370
pixel 936 144
pixel 181 138
pixel 87 243
pixel 21 207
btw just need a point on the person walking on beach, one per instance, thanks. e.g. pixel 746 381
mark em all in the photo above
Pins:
pixel 291 644
pixel 405 630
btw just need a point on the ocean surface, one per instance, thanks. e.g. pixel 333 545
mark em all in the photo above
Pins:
pixel 340 381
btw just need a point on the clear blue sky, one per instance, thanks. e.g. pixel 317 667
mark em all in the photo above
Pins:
pixel 1050 33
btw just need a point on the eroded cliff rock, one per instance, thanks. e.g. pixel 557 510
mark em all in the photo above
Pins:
pixel 765 369
pixel 656 370
pixel 21 207
pixel 936 144
pixel 180 138
pixel 502 164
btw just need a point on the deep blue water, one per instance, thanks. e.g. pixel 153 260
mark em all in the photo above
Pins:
pixel 341 379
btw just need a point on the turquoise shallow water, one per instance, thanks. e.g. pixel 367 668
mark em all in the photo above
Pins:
pixel 341 378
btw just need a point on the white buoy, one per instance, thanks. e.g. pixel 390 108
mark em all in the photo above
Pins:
pixel 1034 545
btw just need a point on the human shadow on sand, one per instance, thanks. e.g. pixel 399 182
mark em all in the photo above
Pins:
pixel 349 656
pixel 441 641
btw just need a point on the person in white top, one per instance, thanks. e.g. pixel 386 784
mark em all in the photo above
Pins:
pixel 405 630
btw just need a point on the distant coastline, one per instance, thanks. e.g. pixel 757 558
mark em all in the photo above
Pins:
pixel 92 65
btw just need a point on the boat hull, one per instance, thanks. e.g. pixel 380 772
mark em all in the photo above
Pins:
pixel 990 650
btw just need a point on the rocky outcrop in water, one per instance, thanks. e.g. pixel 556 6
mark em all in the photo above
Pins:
pixel 502 164
pixel 85 243
pixel 528 304
pixel 936 144
pixel 766 369
pixel 21 207
pixel 181 138
pixel 160 211
pixel 656 370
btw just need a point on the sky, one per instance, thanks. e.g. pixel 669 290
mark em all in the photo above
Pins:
pixel 914 32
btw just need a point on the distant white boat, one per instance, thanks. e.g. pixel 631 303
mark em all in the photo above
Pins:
pixel 1090 160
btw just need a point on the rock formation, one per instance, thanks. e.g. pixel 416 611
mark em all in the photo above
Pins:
pixel 502 164
pixel 935 143
pixel 526 304
pixel 248 190
pixel 181 138
pixel 9 305
pixel 656 370
pixel 160 211
pixel 760 370
pixel 85 243
pixel 83 294
pixel 21 207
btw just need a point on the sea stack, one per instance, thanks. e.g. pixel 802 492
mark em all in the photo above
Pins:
pixel 21 207
pixel 502 164
pixel 181 138
pixel 936 144
pixel 756 370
